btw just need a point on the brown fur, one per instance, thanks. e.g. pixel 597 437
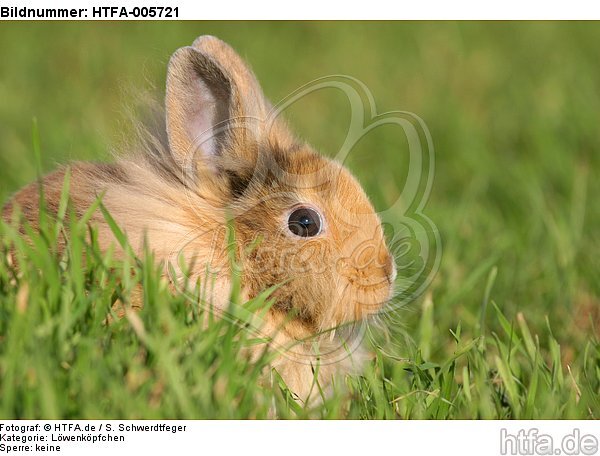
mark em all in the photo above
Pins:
pixel 254 171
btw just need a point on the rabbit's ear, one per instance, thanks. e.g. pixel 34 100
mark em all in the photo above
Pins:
pixel 214 104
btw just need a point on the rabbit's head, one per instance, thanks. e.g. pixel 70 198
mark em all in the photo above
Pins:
pixel 302 221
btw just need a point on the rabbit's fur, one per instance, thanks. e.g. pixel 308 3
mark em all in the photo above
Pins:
pixel 229 158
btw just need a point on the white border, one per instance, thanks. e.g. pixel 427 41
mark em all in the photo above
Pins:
pixel 348 9
pixel 302 438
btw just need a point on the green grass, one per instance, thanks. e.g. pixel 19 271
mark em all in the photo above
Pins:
pixel 509 327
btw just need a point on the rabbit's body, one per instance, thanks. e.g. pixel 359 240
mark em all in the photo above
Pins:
pixel 301 221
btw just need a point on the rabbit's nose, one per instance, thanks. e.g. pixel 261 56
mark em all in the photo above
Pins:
pixel 389 268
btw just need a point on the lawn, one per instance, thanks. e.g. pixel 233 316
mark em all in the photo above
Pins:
pixel 509 326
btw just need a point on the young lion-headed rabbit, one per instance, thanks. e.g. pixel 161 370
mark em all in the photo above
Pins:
pixel 301 221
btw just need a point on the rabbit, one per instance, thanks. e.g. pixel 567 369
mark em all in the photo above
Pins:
pixel 302 222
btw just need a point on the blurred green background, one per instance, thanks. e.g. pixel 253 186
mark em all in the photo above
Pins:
pixel 513 110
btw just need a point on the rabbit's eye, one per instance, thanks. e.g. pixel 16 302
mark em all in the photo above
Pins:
pixel 305 222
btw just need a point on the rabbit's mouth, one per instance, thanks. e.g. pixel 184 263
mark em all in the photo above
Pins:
pixel 374 278
pixel 353 301
pixel 371 299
